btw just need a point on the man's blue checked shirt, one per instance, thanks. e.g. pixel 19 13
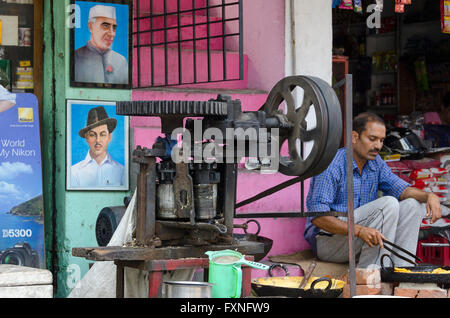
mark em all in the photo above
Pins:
pixel 328 191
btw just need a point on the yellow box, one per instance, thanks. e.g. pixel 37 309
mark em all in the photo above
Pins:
pixel 392 157
pixel 24 63
pixel 26 115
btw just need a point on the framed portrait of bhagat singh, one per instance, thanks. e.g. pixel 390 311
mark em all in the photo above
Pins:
pixel 97 151
pixel 101 44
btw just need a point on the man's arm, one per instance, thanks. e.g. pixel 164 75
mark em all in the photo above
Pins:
pixel 432 200
pixel 333 225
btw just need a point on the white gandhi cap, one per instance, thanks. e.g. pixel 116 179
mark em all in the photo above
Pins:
pixel 102 11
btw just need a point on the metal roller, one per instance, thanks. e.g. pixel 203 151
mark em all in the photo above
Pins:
pixel 327 133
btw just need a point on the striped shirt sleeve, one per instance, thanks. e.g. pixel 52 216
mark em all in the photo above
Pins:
pixel 322 191
pixel 390 183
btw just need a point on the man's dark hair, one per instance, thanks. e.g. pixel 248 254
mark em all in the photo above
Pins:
pixel 360 121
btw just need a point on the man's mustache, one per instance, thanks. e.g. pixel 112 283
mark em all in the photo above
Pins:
pixel 374 150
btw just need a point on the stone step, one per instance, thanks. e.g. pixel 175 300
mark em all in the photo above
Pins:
pixel 25 282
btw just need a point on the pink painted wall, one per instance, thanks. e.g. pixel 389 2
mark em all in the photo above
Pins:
pixel 264 66
pixel 264 37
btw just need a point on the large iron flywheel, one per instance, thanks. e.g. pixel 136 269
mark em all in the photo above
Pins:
pixel 296 97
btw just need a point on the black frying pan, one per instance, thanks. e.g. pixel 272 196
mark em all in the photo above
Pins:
pixel 273 286
pixel 289 286
pixel 388 274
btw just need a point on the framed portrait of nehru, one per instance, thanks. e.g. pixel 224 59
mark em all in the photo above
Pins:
pixel 101 40
pixel 97 153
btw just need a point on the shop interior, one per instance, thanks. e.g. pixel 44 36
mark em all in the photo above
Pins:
pixel 401 67
pixel 21 53
pixel 401 72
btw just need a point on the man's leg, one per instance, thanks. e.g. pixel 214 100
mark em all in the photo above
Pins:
pixel 381 214
pixel 411 214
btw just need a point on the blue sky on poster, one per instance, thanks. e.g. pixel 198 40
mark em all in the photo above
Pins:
pixel 20 156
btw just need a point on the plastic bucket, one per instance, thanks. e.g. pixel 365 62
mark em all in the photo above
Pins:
pixel 226 274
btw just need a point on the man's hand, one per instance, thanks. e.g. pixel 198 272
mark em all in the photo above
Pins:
pixel 369 235
pixel 433 207
pixel 432 201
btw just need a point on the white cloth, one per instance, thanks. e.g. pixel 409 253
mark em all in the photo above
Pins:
pixel 6 95
pixel 88 173
pixel 100 280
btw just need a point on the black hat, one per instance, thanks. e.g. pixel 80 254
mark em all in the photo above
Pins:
pixel 97 116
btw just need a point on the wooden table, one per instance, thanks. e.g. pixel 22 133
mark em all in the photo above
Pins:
pixel 158 260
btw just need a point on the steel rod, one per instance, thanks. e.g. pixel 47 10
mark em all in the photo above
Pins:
pixel 189 25
pixel 180 65
pixel 187 40
pixel 241 41
pixel 152 66
pixel 224 53
pixel 166 53
pixel 208 39
pixel 194 43
pixel 190 11
pixel 349 150
pixel 138 39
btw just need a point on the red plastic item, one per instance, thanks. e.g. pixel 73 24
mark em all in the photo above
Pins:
pixel 156 269
pixel 439 255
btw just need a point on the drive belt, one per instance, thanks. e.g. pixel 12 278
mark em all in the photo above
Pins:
pixel 282 186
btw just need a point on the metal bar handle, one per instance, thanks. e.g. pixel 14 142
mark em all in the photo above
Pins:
pixel 435 244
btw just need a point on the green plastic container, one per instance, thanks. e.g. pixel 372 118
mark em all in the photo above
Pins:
pixel 226 274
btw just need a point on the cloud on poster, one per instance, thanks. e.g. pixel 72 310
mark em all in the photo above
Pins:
pixel 8 189
pixel 10 170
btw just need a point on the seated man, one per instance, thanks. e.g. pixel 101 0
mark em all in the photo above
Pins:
pixel 375 218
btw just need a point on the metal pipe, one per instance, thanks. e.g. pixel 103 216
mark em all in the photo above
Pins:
pixel 152 59
pixel 241 41
pixel 194 45
pixel 221 228
pixel 294 64
pixel 180 68
pixel 138 39
pixel 208 38
pixel 224 53
pixel 349 150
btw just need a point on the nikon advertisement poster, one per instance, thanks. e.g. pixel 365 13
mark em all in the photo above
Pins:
pixel 21 201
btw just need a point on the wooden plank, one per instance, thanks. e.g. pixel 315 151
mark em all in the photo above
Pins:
pixel 113 253
pixel 120 290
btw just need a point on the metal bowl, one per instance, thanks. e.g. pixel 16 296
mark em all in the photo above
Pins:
pixel 187 289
